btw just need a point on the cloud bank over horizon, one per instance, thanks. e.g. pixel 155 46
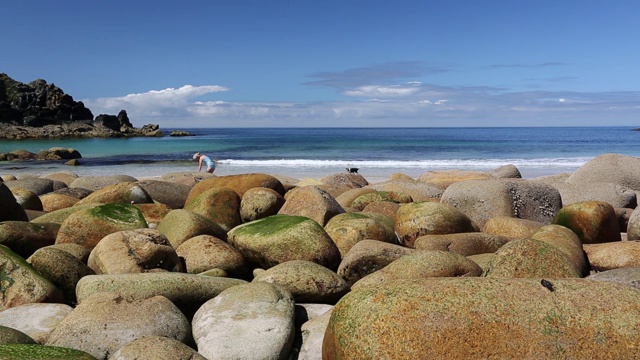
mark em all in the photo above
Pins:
pixel 385 95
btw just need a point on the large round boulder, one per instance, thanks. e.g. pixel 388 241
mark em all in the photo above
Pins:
pixel 528 258
pixel 511 227
pixel 566 241
pixel 369 256
pixel 421 264
pixel 134 251
pixel 154 348
pixel 104 323
pixel 238 183
pixel 259 202
pixel 205 252
pixel 443 178
pixel 220 205
pixel 478 318
pixel 612 168
pixel 22 284
pixel 308 282
pixel 27 199
pixel 37 186
pixel 363 200
pixel 171 194
pixel 24 238
pixel 613 255
pixel 10 209
pixel 98 182
pixel 465 244
pixel 348 229
pixel 124 192
pixel 312 202
pixel 36 320
pixel 482 200
pixel 87 227
pixel 275 239
pixel 180 225
pixel 593 221
pixel 52 201
pixel 424 218
pixel 418 190
pixel 244 321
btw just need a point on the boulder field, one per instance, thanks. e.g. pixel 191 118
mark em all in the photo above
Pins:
pixel 453 264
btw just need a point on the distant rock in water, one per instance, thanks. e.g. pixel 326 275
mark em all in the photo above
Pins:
pixel 54 153
pixel 180 133
pixel 42 110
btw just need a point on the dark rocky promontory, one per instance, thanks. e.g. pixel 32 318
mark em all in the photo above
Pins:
pixel 42 110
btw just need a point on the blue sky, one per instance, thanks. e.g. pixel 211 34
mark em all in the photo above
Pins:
pixel 264 63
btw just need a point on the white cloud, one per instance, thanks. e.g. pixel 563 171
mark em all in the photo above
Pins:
pixel 408 104
pixel 384 91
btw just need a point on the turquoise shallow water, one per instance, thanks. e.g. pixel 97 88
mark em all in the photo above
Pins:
pixel 315 152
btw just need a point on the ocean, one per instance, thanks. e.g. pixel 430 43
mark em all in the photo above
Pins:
pixel 316 152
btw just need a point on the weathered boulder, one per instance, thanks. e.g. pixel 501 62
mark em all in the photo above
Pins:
pixel 59 153
pixel 346 198
pixel 482 200
pixel 420 264
pixel 612 168
pixel 443 178
pixel 27 199
pixel 593 221
pixel 171 194
pixel 35 320
pixel 77 251
pixel 514 228
pixel 10 209
pixel 244 321
pixel 629 276
pixel 566 241
pixel 237 183
pixel 24 238
pixel 22 284
pixel 52 201
pixel 186 178
pixel 348 229
pixel 98 182
pixel 363 200
pixel 509 171
pixel 311 202
pixel 613 255
pixel 312 333
pixel 528 258
pixel 205 252
pixel 104 323
pixel 66 177
pixel 615 194
pixel 187 291
pixel 179 225
pixel 259 202
pixel 62 268
pixel 308 282
pixel 76 192
pixel 36 185
pixel 633 225
pixel 220 205
pixel 470 318
pixel 345 181
pixel 59 216
pixel 123 192
pixel 425 218
pixel 36 351
pixel 87 227
pixel 153 213
pixel 275 239
pixel 154 348
pixel 10 335
pixel 385 208
pixel 134 251
pixel 465 244
pixel 369 256
pixel 418 190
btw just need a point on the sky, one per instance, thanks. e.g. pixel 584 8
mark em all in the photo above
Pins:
pixel 348 63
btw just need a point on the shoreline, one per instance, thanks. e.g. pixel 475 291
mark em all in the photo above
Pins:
pixel 150 171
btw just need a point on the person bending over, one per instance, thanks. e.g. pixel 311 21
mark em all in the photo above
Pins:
pixel 202 158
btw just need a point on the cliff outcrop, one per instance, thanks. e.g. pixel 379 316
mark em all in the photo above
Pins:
pixel 42 110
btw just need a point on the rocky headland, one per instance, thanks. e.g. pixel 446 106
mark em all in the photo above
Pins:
pixel 452 264
pixel 42 110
